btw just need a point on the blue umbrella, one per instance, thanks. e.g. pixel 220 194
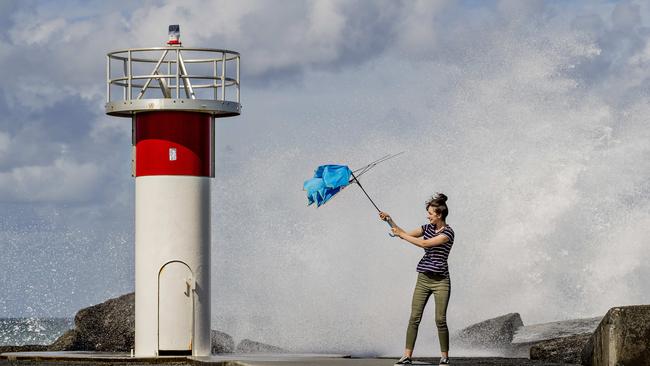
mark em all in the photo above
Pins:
pixel 330 179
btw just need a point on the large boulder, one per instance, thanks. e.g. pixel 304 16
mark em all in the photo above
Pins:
pixel 553 330
pixel 107 327
pixel 221 342
pixel 566 349
pixel 622 338
pixel 110 327
pixel 68 341
pixel 561 340
pixel 492 334
pixel 23 348
pixel 248 346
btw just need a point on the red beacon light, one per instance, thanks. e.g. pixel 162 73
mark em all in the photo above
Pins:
pixel 174 35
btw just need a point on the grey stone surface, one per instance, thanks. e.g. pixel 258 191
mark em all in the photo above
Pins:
pixel 24 348
pixel 110 327
pixel 553 330
pixel 107 327
pixel 221 342
pixel 622 338
pixel 68 341
pixel 249 346
pixel 554 340
pixel 495 333
pixel 565 349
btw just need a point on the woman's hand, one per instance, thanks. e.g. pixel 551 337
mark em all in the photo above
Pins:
pixel 397 232
pixel 384 216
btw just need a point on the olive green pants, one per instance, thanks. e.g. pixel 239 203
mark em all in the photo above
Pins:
pixel 440 287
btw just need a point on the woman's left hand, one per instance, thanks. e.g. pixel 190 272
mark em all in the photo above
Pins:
pixel 397 231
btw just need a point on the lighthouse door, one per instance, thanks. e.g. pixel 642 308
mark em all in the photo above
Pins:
pixel 175 309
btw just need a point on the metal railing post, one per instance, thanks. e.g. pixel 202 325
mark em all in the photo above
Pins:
pixel 178 72
pixel 237 77
pixel 187 83
pixel 108 79
pixel 223 76
pixel 126 72
pixel 129 81
pixel 214 80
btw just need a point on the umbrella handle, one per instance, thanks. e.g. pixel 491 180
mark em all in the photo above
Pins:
pixel 390 234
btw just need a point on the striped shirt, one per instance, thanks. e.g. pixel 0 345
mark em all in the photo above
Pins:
pixel 435 258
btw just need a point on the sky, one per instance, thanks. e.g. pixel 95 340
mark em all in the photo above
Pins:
pixel 530 116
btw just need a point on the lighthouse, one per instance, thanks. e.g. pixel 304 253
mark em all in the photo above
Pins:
pixel 172 95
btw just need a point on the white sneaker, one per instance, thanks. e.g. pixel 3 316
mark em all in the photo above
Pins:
pixel 404 361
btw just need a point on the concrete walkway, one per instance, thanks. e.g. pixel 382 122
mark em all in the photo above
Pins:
pixel 97 358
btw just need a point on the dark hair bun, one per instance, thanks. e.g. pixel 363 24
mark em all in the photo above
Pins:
pixel 440 198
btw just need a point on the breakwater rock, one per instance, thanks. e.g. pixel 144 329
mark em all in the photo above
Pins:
pixel 545 331
pixel 492 334
pixel 560 341
pixel 506 335
pixel 24 348
pixel 110 327
pixel 105 327
pixel 622 338
pixel 221 342
pixel 566 349
pixel 248 346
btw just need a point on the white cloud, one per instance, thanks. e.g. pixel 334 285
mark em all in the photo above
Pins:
pixel 62 181
pixel 5 142
pixel 417 31
pixel 35 32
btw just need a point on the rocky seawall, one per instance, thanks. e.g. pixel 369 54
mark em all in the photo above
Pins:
pixel 110 327
pixel 621 337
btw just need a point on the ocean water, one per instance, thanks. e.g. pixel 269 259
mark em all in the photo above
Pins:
pixel 21 331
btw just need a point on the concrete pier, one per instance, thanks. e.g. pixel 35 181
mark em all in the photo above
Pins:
pixel 97 358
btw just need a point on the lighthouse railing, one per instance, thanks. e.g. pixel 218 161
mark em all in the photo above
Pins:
pixel 203 74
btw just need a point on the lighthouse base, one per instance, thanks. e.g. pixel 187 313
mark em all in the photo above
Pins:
pixel 172 271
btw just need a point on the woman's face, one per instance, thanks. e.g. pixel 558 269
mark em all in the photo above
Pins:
pixel 432 215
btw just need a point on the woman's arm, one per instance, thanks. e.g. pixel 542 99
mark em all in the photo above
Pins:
pixel 386 217
pixel 432 242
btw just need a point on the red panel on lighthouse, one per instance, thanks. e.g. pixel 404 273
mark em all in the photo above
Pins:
pixel 173 143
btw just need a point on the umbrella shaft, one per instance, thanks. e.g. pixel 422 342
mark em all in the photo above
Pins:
pixel 366 193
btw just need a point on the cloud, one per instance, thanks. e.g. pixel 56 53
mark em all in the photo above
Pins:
pixel 39 33
pixel 63 181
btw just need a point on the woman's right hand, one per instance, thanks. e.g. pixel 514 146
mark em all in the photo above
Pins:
pixel 397 231
pixel 384 216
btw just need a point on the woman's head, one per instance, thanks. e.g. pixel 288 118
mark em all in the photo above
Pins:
pixel 437 205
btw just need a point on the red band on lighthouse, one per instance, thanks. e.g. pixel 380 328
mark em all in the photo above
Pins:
pixel 173 143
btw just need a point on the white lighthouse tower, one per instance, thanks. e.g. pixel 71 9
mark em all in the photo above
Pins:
pixel 172 95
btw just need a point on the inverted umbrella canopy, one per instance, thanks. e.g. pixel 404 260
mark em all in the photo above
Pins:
pixel 328 180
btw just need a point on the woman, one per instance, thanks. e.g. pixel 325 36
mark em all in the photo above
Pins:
pixel 436 238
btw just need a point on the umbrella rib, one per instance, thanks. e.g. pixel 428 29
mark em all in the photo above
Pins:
pixel 359 172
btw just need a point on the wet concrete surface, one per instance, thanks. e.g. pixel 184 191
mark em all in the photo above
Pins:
pixel 96 359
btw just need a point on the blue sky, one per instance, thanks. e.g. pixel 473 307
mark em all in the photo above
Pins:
pixel 531 116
